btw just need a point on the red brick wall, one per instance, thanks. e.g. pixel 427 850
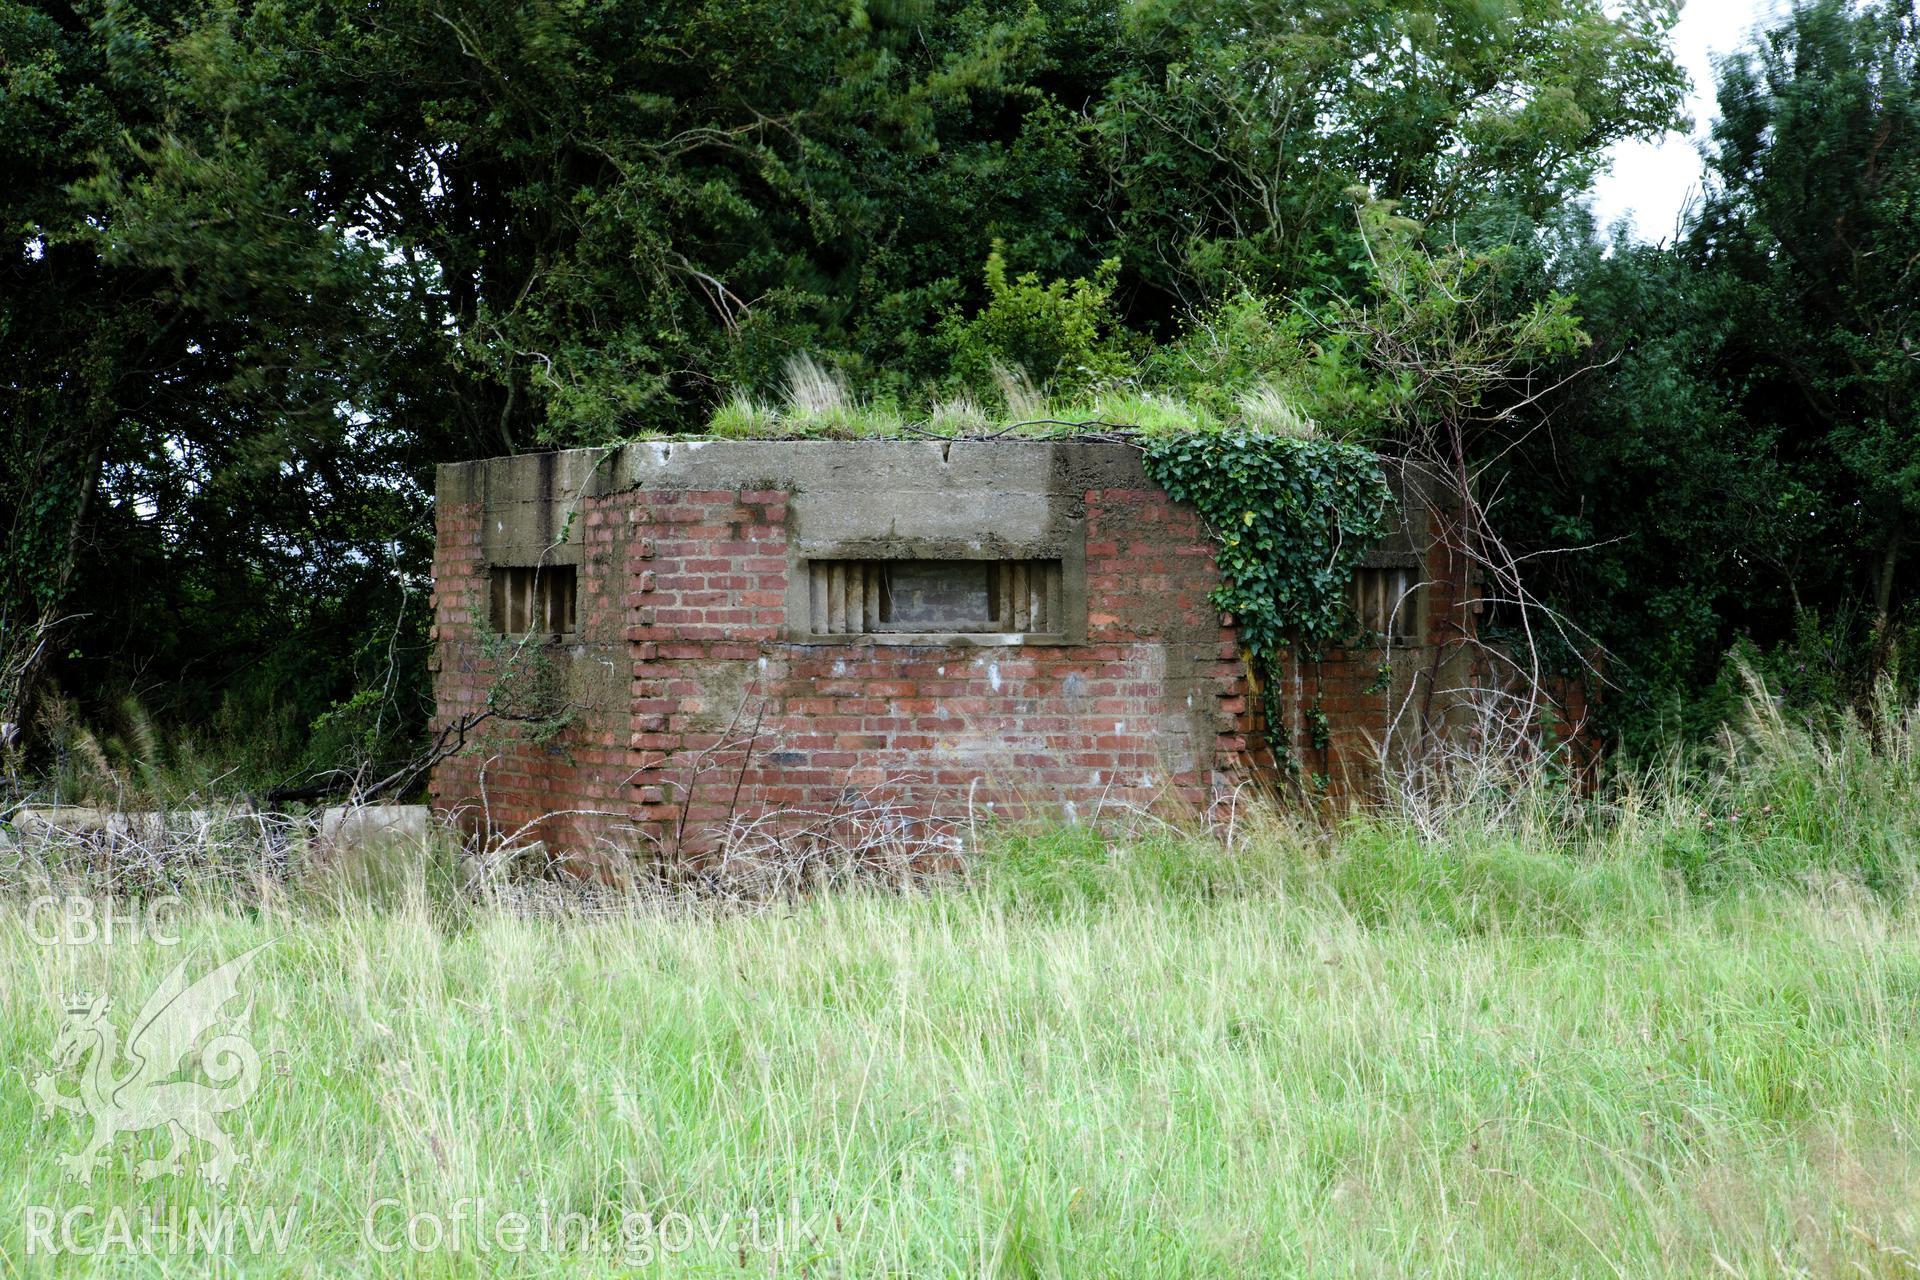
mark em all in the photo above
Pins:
pixel 698 601
pixel 694 706
pixel 1365 692
pixel 573 789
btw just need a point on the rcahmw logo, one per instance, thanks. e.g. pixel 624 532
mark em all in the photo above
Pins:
pixel 184 1065
pixel 150 1230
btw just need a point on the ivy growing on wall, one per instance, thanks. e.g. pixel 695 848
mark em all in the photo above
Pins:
pixel 1293 516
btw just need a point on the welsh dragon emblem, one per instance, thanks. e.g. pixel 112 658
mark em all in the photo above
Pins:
pixel 151 1084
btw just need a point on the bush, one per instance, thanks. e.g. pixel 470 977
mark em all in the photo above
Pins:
pixel 1063 333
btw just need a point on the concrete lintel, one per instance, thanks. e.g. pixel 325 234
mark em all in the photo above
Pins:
pixel 879 466
pixel 1045 544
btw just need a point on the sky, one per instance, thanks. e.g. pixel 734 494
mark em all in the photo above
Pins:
pixel 1651 182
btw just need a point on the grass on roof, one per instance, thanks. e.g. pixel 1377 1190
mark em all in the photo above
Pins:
pixel 818 405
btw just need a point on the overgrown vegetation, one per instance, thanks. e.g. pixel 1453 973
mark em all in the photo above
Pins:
pixel 1744 468
pixel 1291 518
pixel 268 265
pixel 1664 1033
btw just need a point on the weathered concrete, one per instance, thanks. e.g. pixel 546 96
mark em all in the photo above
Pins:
pixel 376 824
pixel 44 822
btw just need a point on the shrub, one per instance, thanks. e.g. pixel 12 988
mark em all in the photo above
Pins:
pixel 1062 333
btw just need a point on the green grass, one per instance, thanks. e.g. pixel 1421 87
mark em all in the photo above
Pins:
pixel 745 419
pixel 818 404
pixel 1144 1058
pixel 1538 1047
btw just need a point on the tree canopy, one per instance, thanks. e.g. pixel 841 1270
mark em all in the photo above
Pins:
pixel 1746 461
pixel 268 262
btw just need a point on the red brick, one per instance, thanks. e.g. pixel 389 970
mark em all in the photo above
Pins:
pixel 708 588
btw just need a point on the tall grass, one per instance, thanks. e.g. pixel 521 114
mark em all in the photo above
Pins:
pixel 1547 1047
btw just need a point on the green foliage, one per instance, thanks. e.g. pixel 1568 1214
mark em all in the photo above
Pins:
pixel 1513 1067
pixel 1062 333
pixel 1291 519
pixel 1743 465
pixel 528 688
pixel 1235 166
pixel 1494 883
pixel 267 264
pixel 1805 799
pixel 1436 340
pixel 1659 484
pixel 1153 413
pixel 1449 343
pixel 1288 362
pixel 1814 221
pixel 743 418
pixel 1402 997
pixel 1053 872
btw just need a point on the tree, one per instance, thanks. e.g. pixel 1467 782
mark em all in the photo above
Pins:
pixel 267 263
pixel 1743 466
pixel 1815 213
pixel 1235 130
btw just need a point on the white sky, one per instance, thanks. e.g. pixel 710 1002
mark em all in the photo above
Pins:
pixel 1651 182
